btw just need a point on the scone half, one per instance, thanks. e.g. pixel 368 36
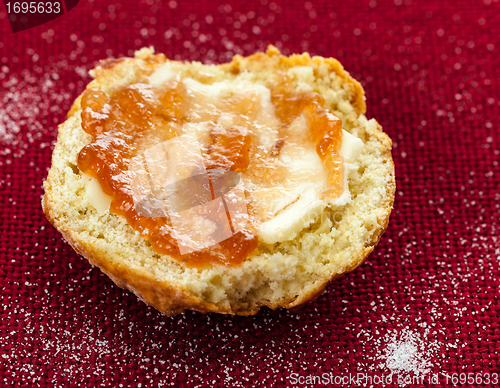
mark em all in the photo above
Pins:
pixel 278 272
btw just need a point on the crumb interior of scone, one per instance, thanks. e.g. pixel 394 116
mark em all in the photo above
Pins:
pixel 205 171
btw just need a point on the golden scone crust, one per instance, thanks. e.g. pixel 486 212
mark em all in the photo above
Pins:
pixel 283 275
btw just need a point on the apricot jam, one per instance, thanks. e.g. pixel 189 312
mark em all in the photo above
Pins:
pixel 135 119
pixel 325 128
pixel 124 124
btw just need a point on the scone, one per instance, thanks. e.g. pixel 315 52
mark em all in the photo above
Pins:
pixel 221 188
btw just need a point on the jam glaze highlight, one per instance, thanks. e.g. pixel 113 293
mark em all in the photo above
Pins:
pixel 139 116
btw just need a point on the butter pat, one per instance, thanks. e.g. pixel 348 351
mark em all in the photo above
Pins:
pixel 351 147
pixel 94 194
pixel 293 219
pixel 307 208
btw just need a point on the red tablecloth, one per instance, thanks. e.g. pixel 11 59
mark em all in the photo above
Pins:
pixel 425 304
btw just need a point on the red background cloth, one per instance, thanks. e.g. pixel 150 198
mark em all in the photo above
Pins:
pixel 426 301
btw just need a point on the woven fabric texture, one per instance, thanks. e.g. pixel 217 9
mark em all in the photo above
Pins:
pixel 423 309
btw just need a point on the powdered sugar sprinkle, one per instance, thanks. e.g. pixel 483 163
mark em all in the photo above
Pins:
pixel 407 353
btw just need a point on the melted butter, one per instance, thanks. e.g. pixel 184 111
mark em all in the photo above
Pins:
pixel 290 153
